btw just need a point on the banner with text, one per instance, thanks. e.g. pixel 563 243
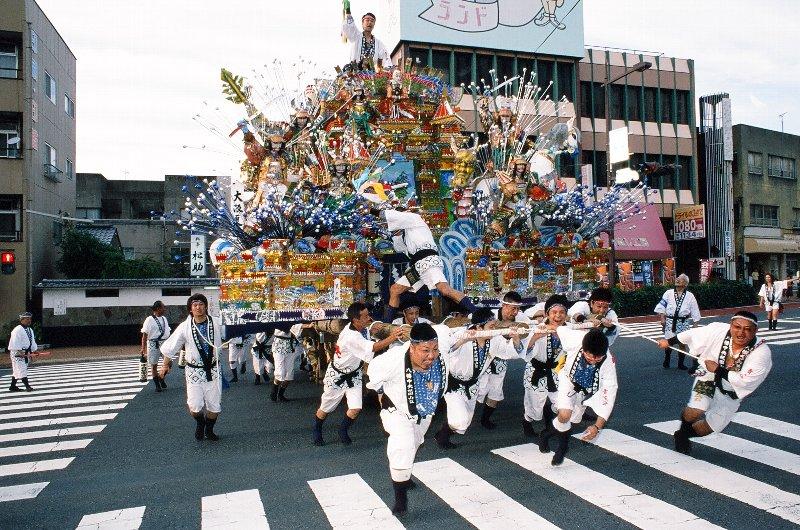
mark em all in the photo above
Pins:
pixel 689 222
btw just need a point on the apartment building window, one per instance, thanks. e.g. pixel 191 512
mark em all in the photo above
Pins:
pixel 69 106
pixel 796 218
pixel 9 61
pixel 484 63
pixel 667 116
pixel 782 167
pixel 463 72
pixel 50 88
pixel 87 213
pixel 755 164
pixel 682 108
pixel 650 104
pixel 441 61
pixel 419 56
pixel 616 101
pixel 505 67
pixel 565 73
pixel 49 154
pixel 10 217
pixel 685 173
pixel 593 100
pixel 596 159
pixel 10 141
pixel 34 72
pixel 69 169
pixel 34 41
pixel 633 103
pixel 544 75
pixel 764 215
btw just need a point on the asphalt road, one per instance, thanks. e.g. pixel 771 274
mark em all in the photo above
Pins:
pixel 147 457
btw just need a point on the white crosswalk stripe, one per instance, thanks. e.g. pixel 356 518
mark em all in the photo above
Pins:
pixel 360 508
pixel 127 519
pixel 70 401
pixel 611 495
pixel 240 509
pixel 777 458
pixel 788 332
pixel 770 425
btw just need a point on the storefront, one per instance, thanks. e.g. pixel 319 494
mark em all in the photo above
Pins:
pixel 642 252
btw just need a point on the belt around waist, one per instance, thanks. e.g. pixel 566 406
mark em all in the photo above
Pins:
pixel 190 365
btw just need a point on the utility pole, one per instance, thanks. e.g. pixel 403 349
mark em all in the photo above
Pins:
pixel 781 117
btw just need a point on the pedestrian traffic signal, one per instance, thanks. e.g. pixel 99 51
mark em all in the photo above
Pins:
pixel 8 262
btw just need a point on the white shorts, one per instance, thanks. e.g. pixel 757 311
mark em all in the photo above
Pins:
pixel 490 386
pixel 535 400
pixel 261 365
pixel 19 368
pixel 719 410
pixel 153 352
pixel 771 307
pixel 203 394
pixel 405 437
pixel 333 393
pixel 431 273
pixel 460 410
pixel 285 357
pixel 572 401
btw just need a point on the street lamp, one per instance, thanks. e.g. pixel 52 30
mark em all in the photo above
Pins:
pixel 638 67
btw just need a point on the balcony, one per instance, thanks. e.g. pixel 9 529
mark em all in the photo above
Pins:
pixel 52 172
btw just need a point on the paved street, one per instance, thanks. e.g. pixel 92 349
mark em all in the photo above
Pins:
pixel 93 446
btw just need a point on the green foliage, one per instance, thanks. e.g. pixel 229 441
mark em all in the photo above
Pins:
pixel 233 87
pixel 712 295
pixel 83 256
pixel 8 327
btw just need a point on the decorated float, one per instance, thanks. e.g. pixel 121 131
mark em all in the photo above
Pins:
pixel 299 240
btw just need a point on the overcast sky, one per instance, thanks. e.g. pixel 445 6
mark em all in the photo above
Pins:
pixel 146 67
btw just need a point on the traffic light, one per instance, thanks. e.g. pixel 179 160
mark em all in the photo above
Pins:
pixel 8 262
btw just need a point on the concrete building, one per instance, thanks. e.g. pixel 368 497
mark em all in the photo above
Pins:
pixel 766 201
pixel 37 148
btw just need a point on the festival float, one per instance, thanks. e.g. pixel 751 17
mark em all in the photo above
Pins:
pixel 301 239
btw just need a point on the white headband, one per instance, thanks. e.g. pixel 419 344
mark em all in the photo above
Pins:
pixel 517 304
pixel 734 317
pixel 556 305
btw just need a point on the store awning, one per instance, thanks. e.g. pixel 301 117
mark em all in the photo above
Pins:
pixel 753 245
pixel 641 237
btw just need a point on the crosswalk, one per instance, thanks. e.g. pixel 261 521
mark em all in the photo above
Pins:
pixel 42 431
pixel 788 332
pixel 349 501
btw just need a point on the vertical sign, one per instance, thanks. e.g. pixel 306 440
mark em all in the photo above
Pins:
pixel 618 144
pixel 34 139
pixel 34 110
pixel 689 222
pixel 198 255
pixel 587 178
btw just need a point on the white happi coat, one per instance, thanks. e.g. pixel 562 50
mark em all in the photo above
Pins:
pixel 20 344
pixel 602 400
pixel 689 308
pixel 356 39
pixel 200 392
pixel 536 396
pixel 414 237
pixel 773 296
pixel 155 337
pixel 387 376
pixel 707 341
pixel 583 307
pixel 492 385
pixel 460 403
pixel 351 350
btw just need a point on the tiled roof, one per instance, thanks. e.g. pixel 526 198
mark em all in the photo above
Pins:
pixel 132 282
pixel 104 234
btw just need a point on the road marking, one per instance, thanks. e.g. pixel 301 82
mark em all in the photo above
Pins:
pixel 60 385
pixel 130 375
pixel 78 388
pixel 81 371
pixel 611 495
pixel 127 519
pixel 35 397
pixel 38 466
pixel 26 406
pixel 782 342
pixel 57 421
pixel 360 508
pixel 21 491
pixel 56 412
pixel 53 433
pixel 770 425
pixel 239 509
pixel 81 366
pixel 30 449
pixel 764 454
pixel 717 479
pixel 477 501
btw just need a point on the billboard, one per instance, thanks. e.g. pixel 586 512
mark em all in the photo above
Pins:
pixel 689 222
pixel 546 27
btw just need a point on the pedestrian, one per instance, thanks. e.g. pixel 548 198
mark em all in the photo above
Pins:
pixel 410 380
pixel 285 350
pixel 238 352
pixel 597 311
pixel 468 363
pixel 771 297
pixel 343 378
pixel 21 344
pixel 490 391
pixel 263 361
pixel 587 379
pixel 201 337
pixel 678 311
pixel 544 357
pixel 733 364
pixel 155 330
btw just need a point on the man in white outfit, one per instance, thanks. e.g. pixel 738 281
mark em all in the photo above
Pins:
pixel 598 313
pixel 201 337
pixel 365 48
pixel 262 358
pixel 285 351
pixel 733 363
pixel 410 380
pixel 238 351
pixel 21 344
pixel 155 330
pixel 679 311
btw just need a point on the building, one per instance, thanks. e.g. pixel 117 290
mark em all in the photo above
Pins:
pixel 37 148
pixel 656 104
pixel 135 208
pixel 766 201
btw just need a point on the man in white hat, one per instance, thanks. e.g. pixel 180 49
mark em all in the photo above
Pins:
pixel 20 346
